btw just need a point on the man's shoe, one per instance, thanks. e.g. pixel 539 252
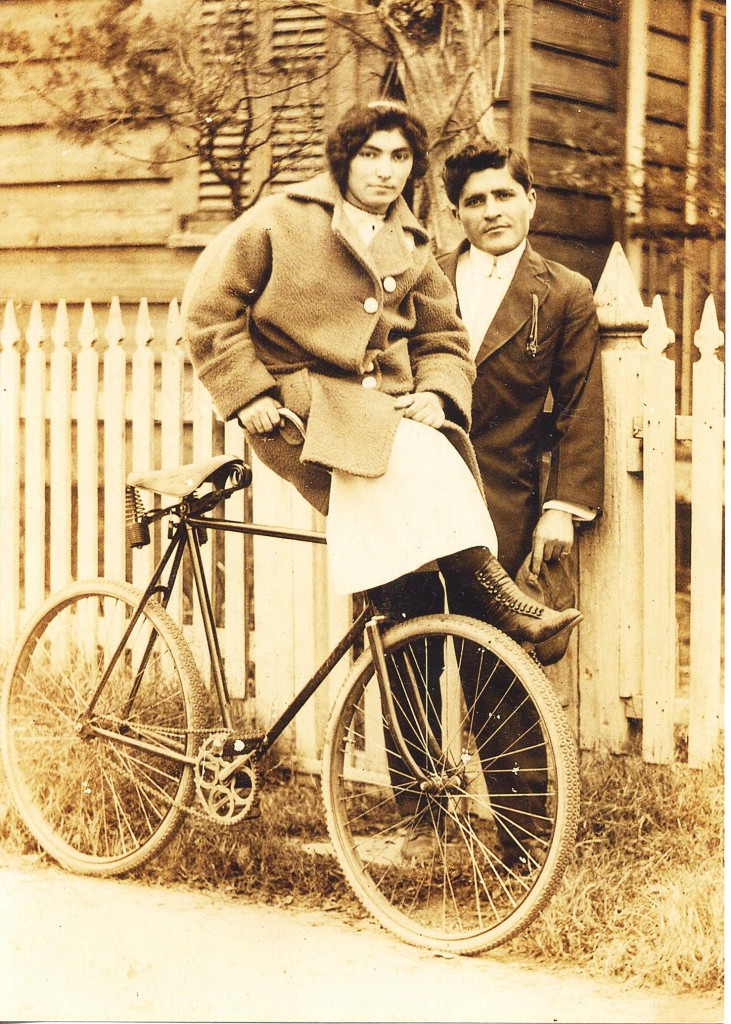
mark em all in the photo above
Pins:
pixel 524 857
pixel 419 846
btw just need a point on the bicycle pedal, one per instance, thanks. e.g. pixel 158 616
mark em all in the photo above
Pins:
pixel 235 746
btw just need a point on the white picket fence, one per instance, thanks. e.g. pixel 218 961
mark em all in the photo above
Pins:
pixel 73 425
pixel 74 421
pixel 628 662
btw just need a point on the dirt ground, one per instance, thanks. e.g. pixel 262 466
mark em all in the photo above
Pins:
pixel 75 948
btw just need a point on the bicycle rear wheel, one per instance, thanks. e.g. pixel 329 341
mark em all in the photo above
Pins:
pixel 102 790
pixel 456 835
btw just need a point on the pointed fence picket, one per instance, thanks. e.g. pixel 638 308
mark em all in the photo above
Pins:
pixel 74 422
pixel 34 457
pixel 10 477
pixel 658 458
pixel 707 490
pixel 78 414
pixel 86 445
pixel 628 646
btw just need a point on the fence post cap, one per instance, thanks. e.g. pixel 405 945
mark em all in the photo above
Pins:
pixel 10 332
pixel 658 335
pixel 617 298
pixel 709 337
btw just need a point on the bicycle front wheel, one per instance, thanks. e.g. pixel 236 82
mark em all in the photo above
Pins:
pixel 97 766
pixel 453 804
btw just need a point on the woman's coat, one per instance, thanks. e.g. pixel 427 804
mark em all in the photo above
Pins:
pixel 284 303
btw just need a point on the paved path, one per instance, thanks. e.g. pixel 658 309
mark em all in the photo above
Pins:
pixel 74 948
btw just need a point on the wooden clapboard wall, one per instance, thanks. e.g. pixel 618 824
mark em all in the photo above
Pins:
pixel 76 221
pixel 84 222
pixel 88 223
pixel 565 98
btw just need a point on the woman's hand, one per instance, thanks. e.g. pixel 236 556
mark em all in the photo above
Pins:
pixel 424 406
pixel 260 416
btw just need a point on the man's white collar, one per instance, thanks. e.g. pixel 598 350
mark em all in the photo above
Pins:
pixel 503 265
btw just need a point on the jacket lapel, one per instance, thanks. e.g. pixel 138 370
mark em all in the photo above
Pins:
pixel 448 264
pixel 516 308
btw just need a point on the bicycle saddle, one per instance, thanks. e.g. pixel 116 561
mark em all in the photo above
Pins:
pixel 185 479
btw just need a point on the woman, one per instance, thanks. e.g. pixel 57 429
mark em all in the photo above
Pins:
pixel 327 299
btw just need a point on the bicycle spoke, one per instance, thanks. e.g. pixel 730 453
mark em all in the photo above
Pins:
pixel 422 841
pixel 93 798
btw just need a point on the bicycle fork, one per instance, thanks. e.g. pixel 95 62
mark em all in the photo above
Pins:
pixel 441 775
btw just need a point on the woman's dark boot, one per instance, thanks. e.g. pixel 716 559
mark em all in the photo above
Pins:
pixel 477 585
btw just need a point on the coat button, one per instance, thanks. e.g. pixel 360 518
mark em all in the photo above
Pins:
pixel 371 304
pixel 389 284
pixel 369 382
pixel 369 366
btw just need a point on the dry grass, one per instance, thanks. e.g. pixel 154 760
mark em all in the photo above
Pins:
pixel 642 901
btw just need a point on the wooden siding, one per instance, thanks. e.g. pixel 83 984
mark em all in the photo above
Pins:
pixel 685 112
pixel 94 273
pixel 85 221
pixel 78 220
pixel 575 103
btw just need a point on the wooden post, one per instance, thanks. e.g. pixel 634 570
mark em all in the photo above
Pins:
pixel 610 638
pixel 698 62
pixel 659 632
pixel 521 41
pixel 637 64
pixel 87 448
pixel 9 474
pixel 34 459
pixel 706 564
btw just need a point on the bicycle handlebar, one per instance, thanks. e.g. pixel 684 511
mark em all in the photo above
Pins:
pixel 293 432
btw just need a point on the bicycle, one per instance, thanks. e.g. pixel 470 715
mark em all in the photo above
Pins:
pixel 110 739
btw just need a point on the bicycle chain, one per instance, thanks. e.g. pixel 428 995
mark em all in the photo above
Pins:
pixel 192 809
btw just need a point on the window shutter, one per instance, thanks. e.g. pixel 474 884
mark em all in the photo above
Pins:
pixel 221 22
pixel 298 138
pixel 288 85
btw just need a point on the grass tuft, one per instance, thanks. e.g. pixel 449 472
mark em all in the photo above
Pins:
pixel 641 902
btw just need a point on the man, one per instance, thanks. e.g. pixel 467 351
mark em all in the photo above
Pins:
pixel 535 339
pixel 534 333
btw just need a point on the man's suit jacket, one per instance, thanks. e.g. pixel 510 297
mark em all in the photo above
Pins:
pixel 518 363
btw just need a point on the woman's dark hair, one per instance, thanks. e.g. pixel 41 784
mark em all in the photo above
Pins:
pixel 361 122
pixel 459 166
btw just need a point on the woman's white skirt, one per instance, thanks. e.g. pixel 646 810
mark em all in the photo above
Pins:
pixel 426 505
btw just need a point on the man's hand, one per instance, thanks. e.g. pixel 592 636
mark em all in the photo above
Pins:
pixel 424 406
pixel 260 416
pixel 553 538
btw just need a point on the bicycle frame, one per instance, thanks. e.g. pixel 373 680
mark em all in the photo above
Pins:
pixel 187 533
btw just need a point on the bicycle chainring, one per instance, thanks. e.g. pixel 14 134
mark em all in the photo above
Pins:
pixel 230 799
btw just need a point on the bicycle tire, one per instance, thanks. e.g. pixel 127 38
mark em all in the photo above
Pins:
pixel 463 895
pixel 96 804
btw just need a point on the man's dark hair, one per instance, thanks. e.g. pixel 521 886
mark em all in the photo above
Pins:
pixel 357 126
pixel 472 158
